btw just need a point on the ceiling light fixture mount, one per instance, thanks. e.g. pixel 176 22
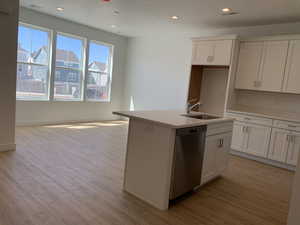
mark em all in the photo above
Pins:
pixel 60 9
pixel 174 17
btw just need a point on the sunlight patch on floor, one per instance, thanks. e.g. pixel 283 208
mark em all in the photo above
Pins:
pixel 89 125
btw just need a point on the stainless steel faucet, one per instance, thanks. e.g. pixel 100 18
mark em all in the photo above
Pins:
pixel 190 106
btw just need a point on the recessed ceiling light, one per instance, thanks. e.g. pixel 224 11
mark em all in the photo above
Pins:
pixel 113 26
pixel 174 17
pixel 60 9
pixel 226 10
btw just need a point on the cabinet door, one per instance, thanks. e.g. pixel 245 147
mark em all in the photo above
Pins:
pixel 203 52
pixel 292 75
pixel 279 145
pixel 258 140
pixel 294 148
pixel 222 155
pixel 248 65
pixel 209 169
pixel 222 52
pixel 273 65
pixel 238 137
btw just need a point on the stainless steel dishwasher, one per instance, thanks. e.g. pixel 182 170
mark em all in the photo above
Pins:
pixel 187 162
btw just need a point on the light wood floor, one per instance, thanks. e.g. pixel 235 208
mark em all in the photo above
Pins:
pixel 72 175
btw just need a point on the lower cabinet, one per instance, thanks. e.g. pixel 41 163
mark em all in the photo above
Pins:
pixel 251 138
pixel 279 145
pixel 293 149
pixel 216 156
pixel 277 140
pixel 258 139
pixel 284 146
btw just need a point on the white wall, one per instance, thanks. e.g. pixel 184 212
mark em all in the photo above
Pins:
pixel 39 112
pixel 8 46
pixel 157 72
pixel 158 66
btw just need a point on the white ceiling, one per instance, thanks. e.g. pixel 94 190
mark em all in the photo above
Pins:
pixel 139 17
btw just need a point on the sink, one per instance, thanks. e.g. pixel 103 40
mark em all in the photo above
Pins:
pixel 202 116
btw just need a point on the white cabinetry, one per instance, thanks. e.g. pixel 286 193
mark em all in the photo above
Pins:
pixel 251 138
pixel 292 76
pixel 293 149
pixel 215 52
pixel 272 140
pixel 239 140
pixel 261 65
pixel 279 145
pixel 258 139
pixel 273 65
pixel 285 146
pixel 216 154
pixel 248 65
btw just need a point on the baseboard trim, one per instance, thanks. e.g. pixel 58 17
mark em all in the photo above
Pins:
pixel 7 147
pixel 263 160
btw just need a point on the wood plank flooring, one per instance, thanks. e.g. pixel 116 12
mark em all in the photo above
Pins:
pixel 72 175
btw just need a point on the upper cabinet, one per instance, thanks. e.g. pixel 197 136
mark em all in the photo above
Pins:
pixel 273 65
pixel 212 52
pixel 249 64
pixel 292 75
pixel 261 65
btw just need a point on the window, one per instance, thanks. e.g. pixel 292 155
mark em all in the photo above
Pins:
pixel 69 75
pixel 68 67
pixel 99 72
pixel 33 63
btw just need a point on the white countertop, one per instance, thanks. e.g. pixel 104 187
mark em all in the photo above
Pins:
pixel 287 116
pixel 170 118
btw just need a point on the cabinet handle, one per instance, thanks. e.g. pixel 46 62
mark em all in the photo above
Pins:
pixel 221 141
pixel 210 58
pixel 247 129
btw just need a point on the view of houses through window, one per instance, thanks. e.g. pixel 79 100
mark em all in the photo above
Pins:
pixel 33 64
pixel 98 80
pixel 68 67
pixel 69 79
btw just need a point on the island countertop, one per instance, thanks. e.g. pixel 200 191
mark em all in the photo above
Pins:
pixel 170 118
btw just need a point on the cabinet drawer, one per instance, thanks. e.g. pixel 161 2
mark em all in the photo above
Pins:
pixel 250 119
pixel 218 128
pixel 287 125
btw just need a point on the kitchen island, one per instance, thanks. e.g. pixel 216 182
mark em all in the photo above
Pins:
pixel 151 151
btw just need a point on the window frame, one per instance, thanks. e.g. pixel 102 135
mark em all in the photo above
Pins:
pixel 109 72
pixel 50 38
pixel 52 44
pixel 82 71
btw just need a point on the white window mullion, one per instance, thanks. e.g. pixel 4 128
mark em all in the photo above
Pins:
pixel 85 69
pixel 52 65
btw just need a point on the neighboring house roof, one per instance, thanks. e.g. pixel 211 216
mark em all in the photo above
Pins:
pixel 98 66
pixel 36 54
pixel 20 48
pixel 64 55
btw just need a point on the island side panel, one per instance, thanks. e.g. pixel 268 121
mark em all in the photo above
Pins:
pixel 149 158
